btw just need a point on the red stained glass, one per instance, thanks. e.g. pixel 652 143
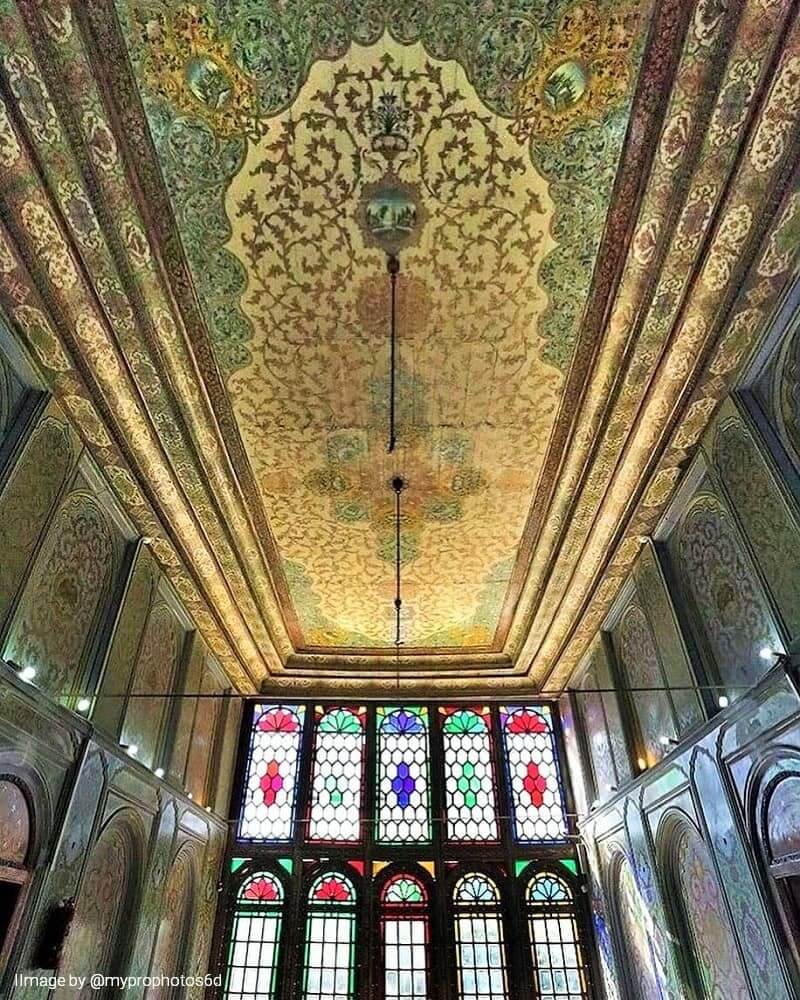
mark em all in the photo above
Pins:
pixel 535 784
pixel 332 890
pixel 271 782
pixel 262 889
pixel 278 721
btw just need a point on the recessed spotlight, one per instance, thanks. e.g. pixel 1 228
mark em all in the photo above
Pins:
pixel 190 796
pixel 723 701
pixel 131 750
pixel 642 763
pixel 27 673
pixel 766 653
pixel 208 809
pixel 84 704
pixel 159 772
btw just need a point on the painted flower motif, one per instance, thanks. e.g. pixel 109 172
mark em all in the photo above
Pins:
pixel 50 244
pixel 278 720
pixel 9 147
pixel 674 139
pixel 263 890
pixel 645 242
pixel 332 890
pixel 535 784
pixel 101 141
pixel 136 242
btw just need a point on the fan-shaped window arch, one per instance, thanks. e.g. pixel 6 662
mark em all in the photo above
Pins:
pixel 712 963
pixel 469 775
pixel 270 792
pixel 405 933
pixel 480 944
pixel 329 966
pixel 255 938
pixel 337 785
pixel 558 963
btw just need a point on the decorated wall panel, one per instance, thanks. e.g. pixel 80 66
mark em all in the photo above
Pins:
pixel 12 393
pixel 767 519
pixel 708 938
pixel 157 664
pixel 635 933
pixel 175 925
pixel 27 496
pixel 726 597
pixel 67 595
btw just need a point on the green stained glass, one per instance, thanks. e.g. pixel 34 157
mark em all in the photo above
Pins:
pixel 330 939
pixel 337 782
pixel 252 966
pixel 286 863
pixel 236 864
pixel 570 865
pixel 469 777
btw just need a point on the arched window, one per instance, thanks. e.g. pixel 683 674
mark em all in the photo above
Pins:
pixel 405 928
pixel 469 775
pixel 480 948
pixel 337 785
pixel 557 960
pixel 403 776
pixel 253 952
pixel 530 753
pixel 329 968
pixel 270 792
pixel 15 840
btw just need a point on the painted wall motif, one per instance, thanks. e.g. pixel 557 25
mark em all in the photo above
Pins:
pixel 15 824
pixel 765 515
pixel 640 664
pixel 66 594
pixel 711 942
pixel 728 598
pixel 27 498
pixel 783 820
pixel 156 666
pixel 174 927
pixel 106 900
pixel 636 933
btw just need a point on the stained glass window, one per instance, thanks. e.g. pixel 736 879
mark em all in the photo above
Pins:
pixel 330 939
pixel 255 935
pixel 469 775
pixel 337 785
pixel 270 791
pixel 480 951
pixel 403 794
pixel 530 755
pixel 557 959
pixel 405 925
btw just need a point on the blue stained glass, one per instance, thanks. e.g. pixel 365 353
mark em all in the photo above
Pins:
pixel 403 776
pixel 403 784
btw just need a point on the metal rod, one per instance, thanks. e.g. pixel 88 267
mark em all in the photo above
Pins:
pixel 397 486
pixel 393 267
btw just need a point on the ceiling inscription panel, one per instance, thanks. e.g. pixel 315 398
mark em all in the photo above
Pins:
pixel 288 155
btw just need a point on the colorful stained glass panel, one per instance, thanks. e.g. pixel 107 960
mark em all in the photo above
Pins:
pixel 405 939
pixel 337 782
pixel 469 776
pixel 268 809
pixel 255 937
pixel 403 802
pixel 480 949
pixel 537 806
pixel 557 959
pixel 329 953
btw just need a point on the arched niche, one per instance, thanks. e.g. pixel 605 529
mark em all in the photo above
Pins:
pixel 174 937
pixel 705 942
pixel 17 837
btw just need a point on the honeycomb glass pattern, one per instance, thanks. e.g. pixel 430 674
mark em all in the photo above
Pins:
pixel 252 970
pixel 480 950
pixel 330 939
pixel 403 794
pixel 469 775
pixel 337 783
pixel 537 806
pixel 557 960
pixel 405 939
pixel 270 792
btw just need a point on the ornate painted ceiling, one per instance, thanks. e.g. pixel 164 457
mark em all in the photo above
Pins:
pixel 594 204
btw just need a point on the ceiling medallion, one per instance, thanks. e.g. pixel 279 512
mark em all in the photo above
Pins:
pixel 391 214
